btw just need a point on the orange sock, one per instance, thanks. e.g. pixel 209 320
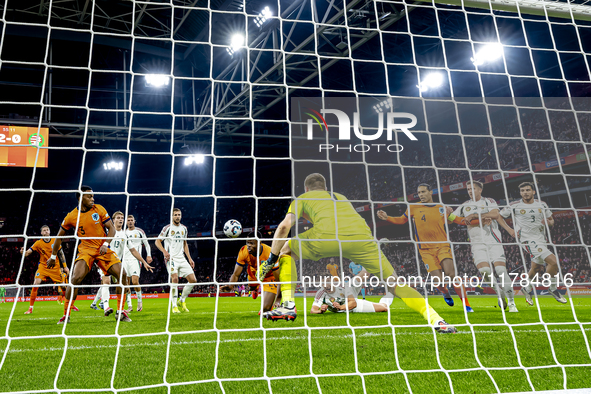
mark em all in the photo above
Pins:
pixel 61 293
pixel 118 301
pixel 33 295
pixel 461 292
pixel 66 306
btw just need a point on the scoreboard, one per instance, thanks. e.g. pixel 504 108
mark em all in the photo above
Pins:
pixel 19 146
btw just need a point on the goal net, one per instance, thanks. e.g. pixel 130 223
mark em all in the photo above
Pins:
pixel 222 109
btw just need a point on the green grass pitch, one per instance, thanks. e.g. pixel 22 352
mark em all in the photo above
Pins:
pixel 366 353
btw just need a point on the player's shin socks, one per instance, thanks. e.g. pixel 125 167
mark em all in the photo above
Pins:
pixel 415 301
pixel 33 296
pixel 461 292
pixel 128 298
pixel 61 291
pixel 105 296
pixel 363 292
pixel 139 295
pixel 97 297
pixel 505 282
pixel 119 301
pixel 553 284
pixel 66 305
pixel 489 278
pixel 186 291
pixel 174 293
pixel 287 273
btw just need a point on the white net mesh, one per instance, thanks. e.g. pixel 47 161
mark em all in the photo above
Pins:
pixel 206 106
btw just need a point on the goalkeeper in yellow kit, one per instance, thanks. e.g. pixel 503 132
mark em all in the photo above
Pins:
pixel 348 232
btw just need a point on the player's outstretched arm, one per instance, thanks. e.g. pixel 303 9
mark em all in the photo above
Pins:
pixel 317 310
pixel 56 248
pixel 234 278
pixel 392 219
pixel 28 252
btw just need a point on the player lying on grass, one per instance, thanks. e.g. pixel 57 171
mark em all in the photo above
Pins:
pixel 355 242
pixel 174 249
pixel 250 257
pixel 530 219
pixel 344 298
pixel 91 221
pixel 485 242
pixel 57 274
pixel 428 220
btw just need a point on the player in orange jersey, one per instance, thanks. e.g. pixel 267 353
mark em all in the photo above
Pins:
pixel 333 268
pixel 91 222
pixel 57 274
pixel 429 232
pixel 250 257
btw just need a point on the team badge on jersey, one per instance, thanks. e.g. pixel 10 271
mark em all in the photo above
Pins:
pixel 468 209
pixel 540 210
pixel 539 249
pixel 95 217
pixel 522 211
pixel 172 232
pixel 441 211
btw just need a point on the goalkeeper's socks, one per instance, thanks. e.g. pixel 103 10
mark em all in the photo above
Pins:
pixel 289 304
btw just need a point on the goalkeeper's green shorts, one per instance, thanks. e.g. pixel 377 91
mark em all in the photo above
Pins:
pixel 362 249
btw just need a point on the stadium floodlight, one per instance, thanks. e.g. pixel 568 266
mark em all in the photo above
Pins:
pixel 263 16
pixel 488 54
pixel 157 80
pixel 432 81
pixel 383 106
pixel 236 43
pixel 197 159
pixel 113 165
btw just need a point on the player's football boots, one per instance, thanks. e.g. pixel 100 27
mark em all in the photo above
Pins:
pixel 63 320
pixel 184 307
pixel 512 307
pixel 528 297
pixel 469 309
pixel 502 302
pixel 556 295
pixel 123 316
pixel 281 313
pixel 443 328
pixel 176 310
pixel 448 300
pixel 108 311
pixel 140 306
pixel 93 306
pixel 74 308
pixel 29 311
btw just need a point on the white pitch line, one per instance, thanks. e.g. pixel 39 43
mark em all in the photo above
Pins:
pixel 282 338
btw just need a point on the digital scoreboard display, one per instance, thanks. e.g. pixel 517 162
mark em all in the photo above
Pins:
pixel 18 146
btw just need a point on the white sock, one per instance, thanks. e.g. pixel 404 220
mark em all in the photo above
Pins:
pixel 139 296
pixel 387 299
pixel 553 283
pixel 105 295
pixel 174 291
pixel 186 291
pixel 505 282
pixel 129 299
pixel 489 278
pixel 97 297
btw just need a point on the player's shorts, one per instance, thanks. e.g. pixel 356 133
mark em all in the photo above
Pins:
pixel 92 255
pixel 363 306
pixel 131 267
pixel 488 253
pixel 360 248
pixel 268 287
pixel 179 266
pixel 433 257
pixel 54 274
pixel 538 252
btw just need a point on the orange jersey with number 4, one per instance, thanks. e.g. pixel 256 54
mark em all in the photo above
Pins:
pixel 91 224
pixel 429 225
pixel 45 250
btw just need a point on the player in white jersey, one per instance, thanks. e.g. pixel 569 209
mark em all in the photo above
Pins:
pixel 118 245
pixel 485 241
pixel 136 237
pixel 174 249
pixel 529 219
pixel 343 298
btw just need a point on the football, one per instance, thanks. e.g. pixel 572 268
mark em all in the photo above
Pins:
pixel 232 228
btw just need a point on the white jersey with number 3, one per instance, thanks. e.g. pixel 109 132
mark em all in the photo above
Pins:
pixel 528 219
pixel 174 238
